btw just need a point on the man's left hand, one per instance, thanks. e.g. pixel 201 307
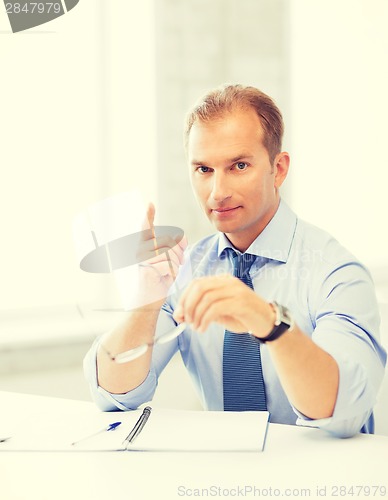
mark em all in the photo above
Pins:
pixel 225 300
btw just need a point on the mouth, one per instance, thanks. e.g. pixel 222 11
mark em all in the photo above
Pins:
pixel 223 212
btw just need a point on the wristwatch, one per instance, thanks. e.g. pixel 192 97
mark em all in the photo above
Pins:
pixel 283 322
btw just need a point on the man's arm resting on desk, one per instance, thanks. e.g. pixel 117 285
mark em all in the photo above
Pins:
pixel 308 374
pixel 328 387
pixel 137 329
pixel 357 382
pixel 131 399
pixel 107 401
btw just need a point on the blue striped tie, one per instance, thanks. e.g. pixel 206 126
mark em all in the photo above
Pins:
pixel 242 370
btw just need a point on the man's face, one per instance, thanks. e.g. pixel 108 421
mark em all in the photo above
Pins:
pixel 232 175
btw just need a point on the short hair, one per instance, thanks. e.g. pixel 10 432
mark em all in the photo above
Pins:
pixel 228 98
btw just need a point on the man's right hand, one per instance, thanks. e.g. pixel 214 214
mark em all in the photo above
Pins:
pixel 159 264
pixel 160 259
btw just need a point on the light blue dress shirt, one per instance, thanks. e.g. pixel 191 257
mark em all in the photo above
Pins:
pixel 331 297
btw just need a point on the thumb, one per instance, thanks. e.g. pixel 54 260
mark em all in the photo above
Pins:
pixel 148 221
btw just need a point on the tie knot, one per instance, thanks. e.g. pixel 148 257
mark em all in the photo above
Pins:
pixel 242 264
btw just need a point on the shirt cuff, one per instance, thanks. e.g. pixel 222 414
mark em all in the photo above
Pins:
pixel 355 400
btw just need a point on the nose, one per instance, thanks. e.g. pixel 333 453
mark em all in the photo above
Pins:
pixel 220 188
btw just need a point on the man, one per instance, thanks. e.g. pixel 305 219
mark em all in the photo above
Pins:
pixel 293 331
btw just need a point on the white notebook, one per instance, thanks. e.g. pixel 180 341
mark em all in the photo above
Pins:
pixel 165 430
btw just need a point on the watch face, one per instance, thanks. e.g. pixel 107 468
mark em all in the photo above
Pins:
pixel 285 316
pixel 283 323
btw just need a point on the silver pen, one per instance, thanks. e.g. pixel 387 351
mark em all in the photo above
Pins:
pixel 138 427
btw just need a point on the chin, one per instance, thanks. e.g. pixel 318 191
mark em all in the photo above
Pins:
pixel 224 227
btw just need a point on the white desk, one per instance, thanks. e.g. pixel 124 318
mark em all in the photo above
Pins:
pixel 294 458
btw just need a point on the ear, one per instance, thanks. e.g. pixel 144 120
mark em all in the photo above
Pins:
pixel 281 164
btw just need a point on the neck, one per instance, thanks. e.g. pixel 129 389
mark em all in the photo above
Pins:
pixel 243 240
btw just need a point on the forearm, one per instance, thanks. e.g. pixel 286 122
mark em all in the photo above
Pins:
pixel 137 329
pixel 308 374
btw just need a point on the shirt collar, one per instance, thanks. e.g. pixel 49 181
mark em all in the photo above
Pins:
pixel 275 241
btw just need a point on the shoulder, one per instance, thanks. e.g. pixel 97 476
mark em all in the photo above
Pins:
pixel 319 242
pixel 325 257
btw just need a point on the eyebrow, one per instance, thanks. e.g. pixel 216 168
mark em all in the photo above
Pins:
pixel 229 161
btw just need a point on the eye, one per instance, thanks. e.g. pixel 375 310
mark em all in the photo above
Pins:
pixel 203 170
pixel 241 165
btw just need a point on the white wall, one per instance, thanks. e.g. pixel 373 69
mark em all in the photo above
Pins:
pixel 128 60
pixel 339 105
pixel 50 156
pixel 77 124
